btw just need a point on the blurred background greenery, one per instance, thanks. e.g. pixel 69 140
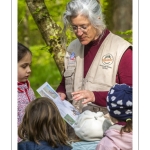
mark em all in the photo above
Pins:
pixel 43 69
pixel 118 15
pixel 43 65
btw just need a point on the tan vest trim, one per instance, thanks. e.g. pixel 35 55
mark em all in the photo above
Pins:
pixel 69 74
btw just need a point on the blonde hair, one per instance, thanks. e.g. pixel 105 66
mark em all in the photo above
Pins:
pixel 43 122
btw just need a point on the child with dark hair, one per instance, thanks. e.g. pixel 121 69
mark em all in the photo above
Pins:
pixel 42 127
pixel 25 92
pixel 119 105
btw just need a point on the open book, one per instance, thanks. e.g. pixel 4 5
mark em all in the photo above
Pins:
pixel 66 109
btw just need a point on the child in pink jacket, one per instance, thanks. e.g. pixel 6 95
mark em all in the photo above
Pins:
pixel 119 105
pixel 25 92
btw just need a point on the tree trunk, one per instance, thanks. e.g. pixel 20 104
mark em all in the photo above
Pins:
pixel 122 15
pixel 49 30
pixel 118 16
pixel 26 28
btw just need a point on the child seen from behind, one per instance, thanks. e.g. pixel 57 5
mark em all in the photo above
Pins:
pixel 119 105
pixel 42 127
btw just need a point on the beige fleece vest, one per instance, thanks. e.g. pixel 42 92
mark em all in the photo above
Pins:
pixel 103 70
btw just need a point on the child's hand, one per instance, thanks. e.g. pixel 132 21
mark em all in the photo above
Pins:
pixel 62 96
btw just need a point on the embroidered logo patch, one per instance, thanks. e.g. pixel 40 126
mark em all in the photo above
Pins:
pixel 72 56
pixel 107 59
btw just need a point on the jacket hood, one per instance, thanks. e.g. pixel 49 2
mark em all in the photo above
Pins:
pixel 23 85
pixel 123 141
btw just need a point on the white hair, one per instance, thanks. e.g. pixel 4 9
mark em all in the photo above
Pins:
pixel 88 8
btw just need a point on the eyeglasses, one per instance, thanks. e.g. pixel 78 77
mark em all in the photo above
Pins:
pixel 83 28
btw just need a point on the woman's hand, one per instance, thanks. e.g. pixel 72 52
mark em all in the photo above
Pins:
pixel 62 96
pixel 87 95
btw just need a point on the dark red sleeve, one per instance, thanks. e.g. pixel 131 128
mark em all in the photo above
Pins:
pixel 125 69
pixel 124 75
pixel 61 87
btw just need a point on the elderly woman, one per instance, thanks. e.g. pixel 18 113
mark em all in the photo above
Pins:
pixel 94 61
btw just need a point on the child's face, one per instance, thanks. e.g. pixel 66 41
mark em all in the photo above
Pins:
pixel 24 68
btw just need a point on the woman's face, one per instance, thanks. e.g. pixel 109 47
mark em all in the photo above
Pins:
pixel 83 30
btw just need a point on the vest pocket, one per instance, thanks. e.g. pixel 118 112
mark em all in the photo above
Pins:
pixel 68 73
pixel 69 77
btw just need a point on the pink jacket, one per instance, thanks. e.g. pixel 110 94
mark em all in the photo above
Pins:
pixel 25 95
pixel 112 140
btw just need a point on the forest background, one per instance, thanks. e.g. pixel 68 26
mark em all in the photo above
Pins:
pixel 118 17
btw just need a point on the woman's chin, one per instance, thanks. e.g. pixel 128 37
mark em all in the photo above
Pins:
pixel 83 42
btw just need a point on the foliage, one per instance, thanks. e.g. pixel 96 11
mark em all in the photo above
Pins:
pixel 107 9
pixel 43 68
pixel 127 35
pixel 43 65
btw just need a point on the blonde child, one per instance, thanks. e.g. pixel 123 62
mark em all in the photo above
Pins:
pixel 25 92
pixel 119 105
pixel 42 127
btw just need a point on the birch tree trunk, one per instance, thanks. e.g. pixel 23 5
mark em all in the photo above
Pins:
pixel 49 30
